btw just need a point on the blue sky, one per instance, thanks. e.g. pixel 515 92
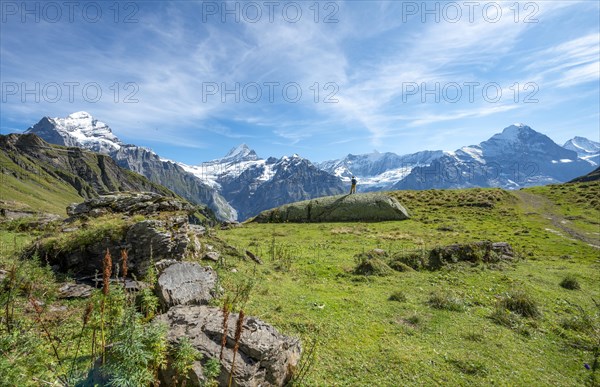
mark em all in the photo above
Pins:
pixel 395 76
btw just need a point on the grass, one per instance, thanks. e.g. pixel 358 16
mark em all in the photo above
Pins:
pixel 365 339
pixel 570 282
pixel 515 325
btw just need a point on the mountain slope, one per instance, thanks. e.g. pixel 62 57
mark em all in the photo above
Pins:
pixel 517 157
pixel 592 176
pixel 82 130
pixel 49 177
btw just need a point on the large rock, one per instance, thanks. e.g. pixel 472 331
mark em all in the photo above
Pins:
pixel 368 207
pixel 153 240
pixel 186 283
pixel 146 242
pixel 265 356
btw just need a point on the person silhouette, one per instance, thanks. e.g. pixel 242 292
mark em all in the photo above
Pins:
pixel 353 187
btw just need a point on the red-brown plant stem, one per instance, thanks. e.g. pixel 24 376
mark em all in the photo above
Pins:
pixel 106 272
pixel 124 265
pixel 86 318
pixel 38 318
pixel 225 320
pixel 238 335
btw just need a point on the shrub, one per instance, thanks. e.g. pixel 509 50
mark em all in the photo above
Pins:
pixel 397 296
pixel 446 301
pixel 519 302
pixel 570 282
pixel 511 320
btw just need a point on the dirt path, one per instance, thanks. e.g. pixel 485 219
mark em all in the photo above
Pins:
pixel 543 207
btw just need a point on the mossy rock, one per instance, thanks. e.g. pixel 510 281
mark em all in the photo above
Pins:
pixel 368 207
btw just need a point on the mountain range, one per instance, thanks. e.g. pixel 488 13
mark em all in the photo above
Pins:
pixel 241 184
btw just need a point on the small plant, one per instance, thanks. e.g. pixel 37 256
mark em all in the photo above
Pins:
pixel 183 360
pixel 225 310
pixel 106 272
pixel 508 319
pixel 570 282
pixel 137 352
pixel 211 370
pixel 398 296
pixel 413 319
pixel 446 301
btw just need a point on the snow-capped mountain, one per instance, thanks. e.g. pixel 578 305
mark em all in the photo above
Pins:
pixel 378 171
pixel 82 130
pixel 78 129
pixel 517 157
pixel 586 149
pixel 236 161
pixel 252 184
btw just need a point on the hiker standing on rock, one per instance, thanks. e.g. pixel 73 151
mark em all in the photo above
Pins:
pixel 353 187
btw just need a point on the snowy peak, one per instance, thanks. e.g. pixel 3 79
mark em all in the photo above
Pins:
pixel 583 146
pixel 238 154
pixel 522 141
pixel 78 129
pixel 515 133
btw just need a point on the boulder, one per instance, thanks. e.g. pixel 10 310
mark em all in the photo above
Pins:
pixel 186 283
pixel 157 239
pixel 146 242
pixel 367 207
pixel 265 356
pixel 212 256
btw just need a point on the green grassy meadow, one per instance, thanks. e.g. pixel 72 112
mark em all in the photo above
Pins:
pixel 306 288
pixel 447 326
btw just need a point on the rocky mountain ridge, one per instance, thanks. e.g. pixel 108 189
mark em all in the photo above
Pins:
pixel 82 130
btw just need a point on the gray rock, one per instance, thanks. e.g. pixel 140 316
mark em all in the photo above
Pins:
pixel 265 356
pixel 158 240
pixel 369 207
pixel 163 264
pixel 70 290
pixel 212 256
pixel 186 283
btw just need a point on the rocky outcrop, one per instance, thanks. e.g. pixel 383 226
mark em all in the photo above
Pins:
pixel 146 241
pixel 369 207
pixel 130 203
pixel 265 356
pixel 186 283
